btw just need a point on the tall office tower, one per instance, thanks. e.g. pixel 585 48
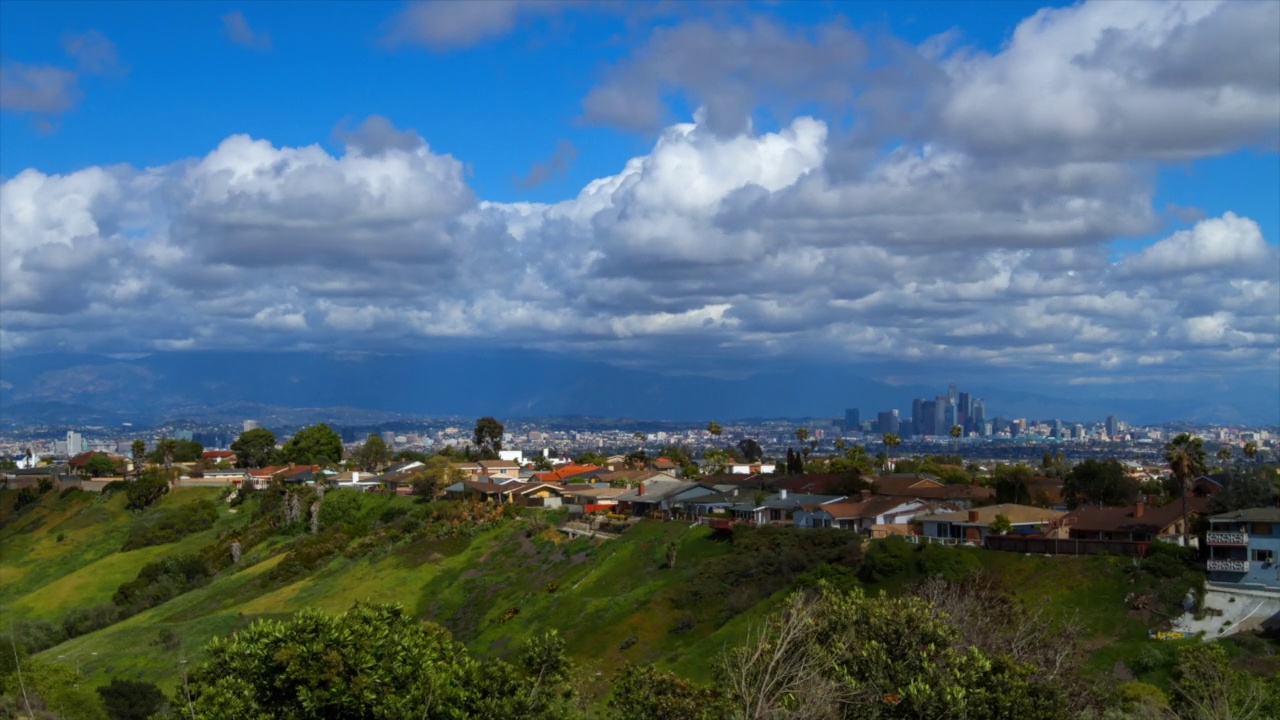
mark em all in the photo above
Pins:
pixel 888 420
pixel 917 416
pixel 952 417
pixel 852 421
pixel 1113 426
pixel 979 411
pixel 966 410
pixel 952 396
pixel 940 426
pixel 251 425
pixel 927 425
pixel 75 443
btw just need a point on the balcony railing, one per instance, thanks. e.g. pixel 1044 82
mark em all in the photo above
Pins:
pixel 1227 538
pixel 1241 566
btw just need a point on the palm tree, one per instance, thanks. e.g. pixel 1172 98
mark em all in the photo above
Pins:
pixel 139 452
pixel 168 447
pixel 956 432
pixel 714 428
pixel 1224 454
pixel 1251 450
pixel 891 440
pixel 802 434
pixel 1185 456
pixel 840 445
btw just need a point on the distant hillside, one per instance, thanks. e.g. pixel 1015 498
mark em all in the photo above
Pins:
pixel 227 387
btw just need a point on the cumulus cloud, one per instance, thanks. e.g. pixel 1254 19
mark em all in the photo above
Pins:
pixel 972 242
pixel 710 238
pixel 238 31
pixel 554 166
pixel 37 88
pixel 448 25
pixel 46 90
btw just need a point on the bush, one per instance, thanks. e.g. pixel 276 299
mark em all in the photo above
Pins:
pixel 24 497
pixel 132 700
pixel 44 485
pixel 84 620
pixel 145 490
pixel 171 525
pixel 1149 659
pixel 162 580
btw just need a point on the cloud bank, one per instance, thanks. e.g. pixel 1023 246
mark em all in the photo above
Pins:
pixel 980 232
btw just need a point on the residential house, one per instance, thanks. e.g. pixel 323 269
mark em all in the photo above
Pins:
pixel 1244 549
pixel 1139 522
pixel 219 456
pixel 864 513
pixel 781 508
pixel 752 468
pixel 630 478
pixel 489 490
pixel 973 525
pixel 566 472
pixel 651 496
pixel 260 478
pixel 592 498
pixel 666 465
pixel 539 495
pixel 927 487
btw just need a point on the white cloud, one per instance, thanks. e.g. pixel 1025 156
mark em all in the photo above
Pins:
pixel 1229 243
pixel 237 29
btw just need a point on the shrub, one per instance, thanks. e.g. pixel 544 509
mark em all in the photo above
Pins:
pixel 162 580
pixel 24 497
pixel 44 485
pixel 84 620
pixel 148 488
pixel 132 700
pixel 171 525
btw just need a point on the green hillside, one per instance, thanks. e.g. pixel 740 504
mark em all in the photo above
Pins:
pixel 493 583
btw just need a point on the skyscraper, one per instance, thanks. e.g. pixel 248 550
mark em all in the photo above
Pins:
pixel 852 421
pixel 888 420
pixel 917 416
pixel 1113 426
pixel 251 425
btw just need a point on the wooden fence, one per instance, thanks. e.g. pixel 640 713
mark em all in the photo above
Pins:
pixel 1054 546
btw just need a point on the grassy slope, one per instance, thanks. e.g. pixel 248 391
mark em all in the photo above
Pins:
pixel 42 576
pixel 604 594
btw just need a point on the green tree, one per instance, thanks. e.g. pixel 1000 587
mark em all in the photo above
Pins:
pixel 316 445
pixel 100 464
pixel 543 463
pixel 138 451
pixel 802 434
pixel 435 475
pixel 750 449
pixel 487 437
pixel 1101 482
pixel 955 432
pixel 1251 450
pixel 1224 454
pixel 1012 483
pixel 1186 459
pixel 592 457
pixel 132 700
pixel 145 490
pixel 255 448
pixel 1001 524
pixel 1246 487
pixel 372 455
pixel 714 428
pixel 642 692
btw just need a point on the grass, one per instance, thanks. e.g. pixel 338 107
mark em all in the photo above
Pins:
pixel 596 594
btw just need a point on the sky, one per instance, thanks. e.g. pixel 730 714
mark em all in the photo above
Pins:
pixel 1082 196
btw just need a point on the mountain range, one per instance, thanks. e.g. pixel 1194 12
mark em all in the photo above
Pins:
pixel 225 386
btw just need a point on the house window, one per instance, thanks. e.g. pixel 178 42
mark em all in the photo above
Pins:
pixel 1264 556
pixel 1261 528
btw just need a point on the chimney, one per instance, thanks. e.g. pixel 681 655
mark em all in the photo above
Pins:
pixel 641 491
pixel 1138 509
pixel 355 476
pixel 735 492
pixel 783 494
pixel 973 516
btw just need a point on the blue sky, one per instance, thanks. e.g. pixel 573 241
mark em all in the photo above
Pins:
pixel 940 183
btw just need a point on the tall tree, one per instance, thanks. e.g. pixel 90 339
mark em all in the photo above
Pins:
pixel 1251 450
pixel 750 449
pixel 956 431
pixel 139 452
pixel 802 434
pixel 1186 459
pixel 891 441
pixel 714 428
pixel 1100 482
pixel 487 436
pixel 316 445
pixel 99 465
pixel 254 448
pixel 372 455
